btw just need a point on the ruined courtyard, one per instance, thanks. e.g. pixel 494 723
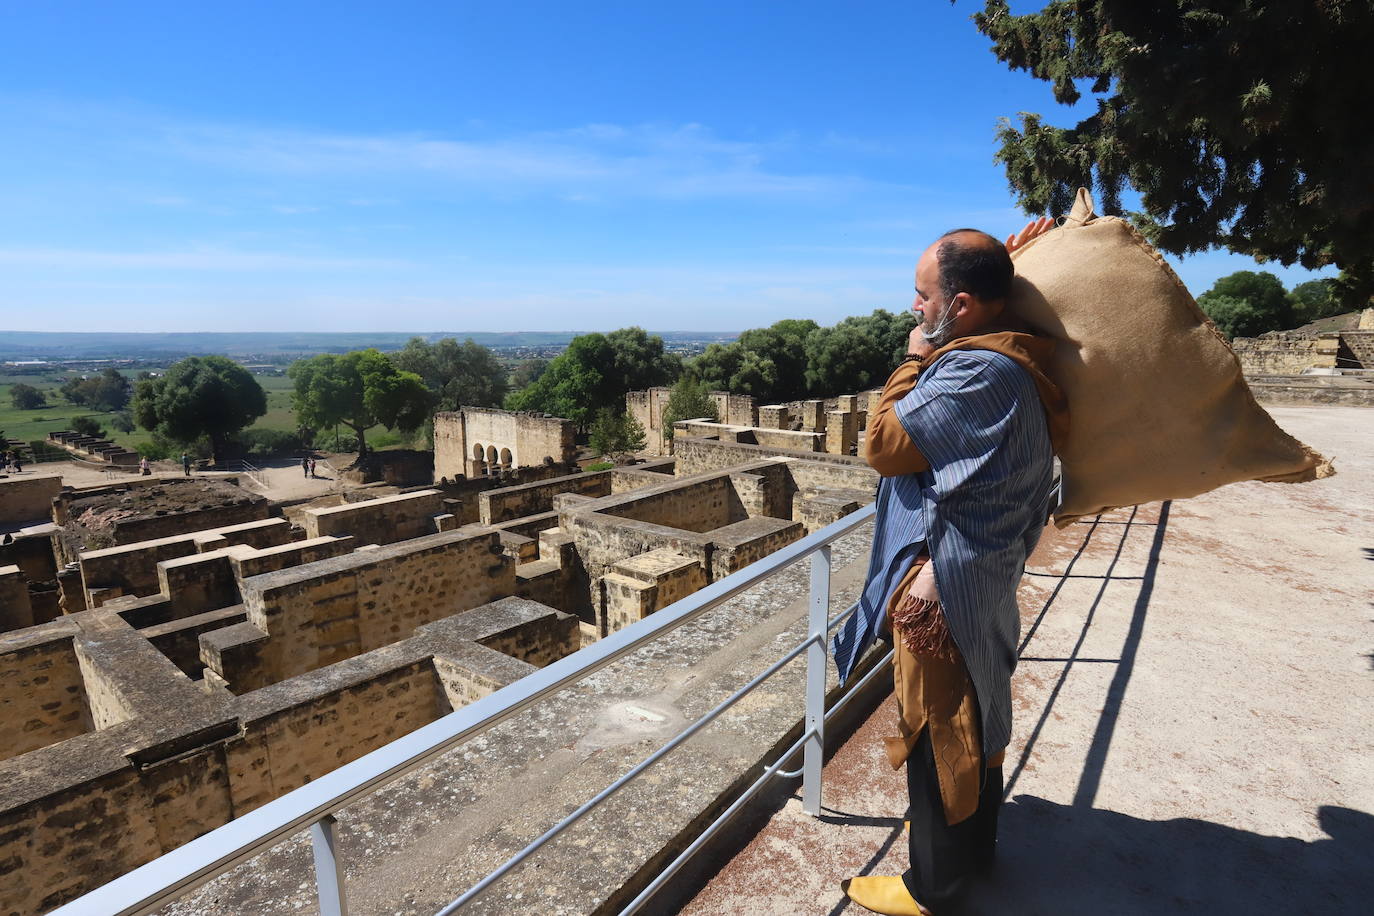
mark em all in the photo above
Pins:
pixel 179 651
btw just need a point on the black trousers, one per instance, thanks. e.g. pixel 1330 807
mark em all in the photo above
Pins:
pixel 944 857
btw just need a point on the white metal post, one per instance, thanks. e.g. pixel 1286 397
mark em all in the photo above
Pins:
pixel 816 655
pixel 329 873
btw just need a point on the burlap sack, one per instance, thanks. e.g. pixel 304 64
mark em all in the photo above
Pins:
pixel 1158 408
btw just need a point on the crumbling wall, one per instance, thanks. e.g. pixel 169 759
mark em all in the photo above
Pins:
pixel 478 440
pixel 1284 353
pixel 508 503
pixel 647 407
pixel 42 696
pixel 377 521
pixel 27 499
pixel 314 615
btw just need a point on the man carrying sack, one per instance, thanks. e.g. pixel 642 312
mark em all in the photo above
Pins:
pixel 963 439
pixel 1092 322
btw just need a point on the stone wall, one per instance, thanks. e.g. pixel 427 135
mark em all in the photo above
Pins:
pixel 735 409
pixel 639 585
pixel 477 440
pixel 1356 349
pixel 696 455
pixel 27 499
pixel 132 530
pixel 316 614
pixel 132 568
pixel 507 503
pixel 16 610
pixel 1282 353
pixel 78 812
pixel 700 507
pixel 648 474
pixel 42 695
pixel 647 407
pixel 377 521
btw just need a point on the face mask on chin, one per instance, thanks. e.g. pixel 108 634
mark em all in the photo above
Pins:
pixel 943 332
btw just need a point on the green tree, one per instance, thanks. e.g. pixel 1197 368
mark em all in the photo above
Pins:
pixel 595 371
pixel 360 390
pixel 1232 119
pixel 616 435
pixel 768 363
pixel 1314 300
pixel 108 391
pixel 27 397
pixel 528 372
pixel 459 375
pixel 856 354
pixel 88 426
pixel 210 396
pixel 1247 303
pixel 690 399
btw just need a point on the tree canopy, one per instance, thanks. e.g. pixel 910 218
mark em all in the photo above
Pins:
pixel 1314 300
pixel 596 371
pixel 689 400
pixel 1232 118
pixel 360 390
pixel 109 390
pixel 459 375
pixel 210 396
pixel 27 397
pixel 857 353
pixel 768 363
pixel 615 434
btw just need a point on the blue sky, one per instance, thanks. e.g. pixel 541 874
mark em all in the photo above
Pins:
pixel 496 166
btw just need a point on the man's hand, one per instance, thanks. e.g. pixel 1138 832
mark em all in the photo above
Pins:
pixel 917 345
pixel 1034 229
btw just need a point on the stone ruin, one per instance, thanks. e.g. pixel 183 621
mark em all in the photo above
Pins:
pixel 213 654
pixel 834 425
pixel 1311 367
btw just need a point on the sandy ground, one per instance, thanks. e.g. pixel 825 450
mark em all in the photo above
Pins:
pixel 280 479
pixel 1192 731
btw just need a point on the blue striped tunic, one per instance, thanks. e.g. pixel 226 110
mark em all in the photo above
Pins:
pixel 977 418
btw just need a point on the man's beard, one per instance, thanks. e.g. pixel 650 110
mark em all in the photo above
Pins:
pixel 939 334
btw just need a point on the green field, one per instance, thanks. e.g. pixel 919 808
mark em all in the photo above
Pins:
pixel 36 424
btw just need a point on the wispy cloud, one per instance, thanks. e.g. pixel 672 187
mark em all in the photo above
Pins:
pixel 588 162
pixel 191 260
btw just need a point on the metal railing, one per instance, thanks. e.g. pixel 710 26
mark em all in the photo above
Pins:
pixel 312 806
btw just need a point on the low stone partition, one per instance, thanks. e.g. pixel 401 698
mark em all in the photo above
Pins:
pixel 16 610
pixel 131 569
pixel 647 474
pixel 1284 353
pixel 639 585
pixel 107 736
pixel 790 440
pixel 248 509
pixel 507 503
pixel 42 694
pixel 378 521
pixel 27 500
pixel 316 614
pixel 696 455
pixel 750 540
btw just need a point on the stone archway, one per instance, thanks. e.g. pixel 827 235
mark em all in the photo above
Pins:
pixel 505 459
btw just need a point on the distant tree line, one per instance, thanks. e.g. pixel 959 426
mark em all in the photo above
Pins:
pixel 1249 303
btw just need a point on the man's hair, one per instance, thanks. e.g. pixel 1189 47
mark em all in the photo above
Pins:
pixel 973 262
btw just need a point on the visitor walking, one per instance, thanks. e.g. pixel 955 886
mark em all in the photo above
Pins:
pixel 144 468
pixel 186 463
pixel 305 465
pixel 312 466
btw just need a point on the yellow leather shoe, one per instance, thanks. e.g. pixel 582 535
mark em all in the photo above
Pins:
pixel 885 894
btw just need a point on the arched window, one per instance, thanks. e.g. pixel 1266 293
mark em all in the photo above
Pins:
pixel 505 458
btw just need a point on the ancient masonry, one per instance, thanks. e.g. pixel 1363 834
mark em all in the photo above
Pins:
pixel 173 657
pixel 1297 367
pixel 832 425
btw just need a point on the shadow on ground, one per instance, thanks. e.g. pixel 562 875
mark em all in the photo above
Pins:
pixel 1073 860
